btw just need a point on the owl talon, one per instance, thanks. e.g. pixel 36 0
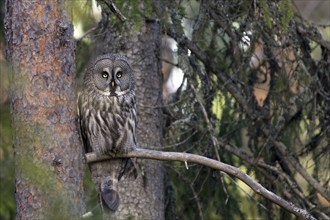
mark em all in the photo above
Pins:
pixel 111 154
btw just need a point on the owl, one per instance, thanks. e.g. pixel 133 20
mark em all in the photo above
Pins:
pixel 107 115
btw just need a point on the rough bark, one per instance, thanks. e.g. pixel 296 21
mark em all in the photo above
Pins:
pixel 142 198
pixel 48 155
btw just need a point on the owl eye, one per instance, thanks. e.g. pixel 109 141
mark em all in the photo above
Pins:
pixel 119 74
pixel 105 75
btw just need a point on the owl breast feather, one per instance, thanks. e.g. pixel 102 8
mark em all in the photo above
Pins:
pixel 108 123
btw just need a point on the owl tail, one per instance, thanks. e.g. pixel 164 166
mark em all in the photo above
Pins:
pixel 128 169
pixel 109 196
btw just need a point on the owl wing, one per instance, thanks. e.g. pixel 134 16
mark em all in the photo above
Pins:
pixel 82 123
pixel 93 127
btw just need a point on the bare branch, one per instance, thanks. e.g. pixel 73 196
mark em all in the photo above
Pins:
pixel 195 194
pixel 192 158
pixel 86 34
pixel 115 10
pixel 314 35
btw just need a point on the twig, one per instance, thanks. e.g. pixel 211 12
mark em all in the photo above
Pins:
pixel 230 86
pixel 213 138
pixel 195 194
pixel 183 65
pixel 115 10
pixel 192 158
pixel 314 35
pixel 86 34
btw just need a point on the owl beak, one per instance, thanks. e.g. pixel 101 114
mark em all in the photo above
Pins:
pixel 114 87
pixel 114 84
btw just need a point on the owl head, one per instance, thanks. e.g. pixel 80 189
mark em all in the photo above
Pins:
pixel 110 75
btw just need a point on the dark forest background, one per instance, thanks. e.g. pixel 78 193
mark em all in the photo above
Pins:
pixel 244 82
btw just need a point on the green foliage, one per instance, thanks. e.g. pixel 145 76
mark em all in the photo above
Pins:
pixel 83 55
pixel 300 116
pixel 92 196
pixel 135 11
pixel 266 13
pixel 215 32
pixel 7 181
pixel 81 13
pixel 287 13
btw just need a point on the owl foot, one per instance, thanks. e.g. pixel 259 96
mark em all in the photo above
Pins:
pixel 111 154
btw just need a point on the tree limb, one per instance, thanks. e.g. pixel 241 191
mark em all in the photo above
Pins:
pixel 280 146
pixel 314 35
pixel 186 157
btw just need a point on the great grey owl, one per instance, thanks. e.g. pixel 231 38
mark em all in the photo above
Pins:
pixel 107 113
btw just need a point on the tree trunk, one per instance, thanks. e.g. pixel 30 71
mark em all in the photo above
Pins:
pixel 142 198
pixel 48 151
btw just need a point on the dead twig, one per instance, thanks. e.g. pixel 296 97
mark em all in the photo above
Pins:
pixel 115 10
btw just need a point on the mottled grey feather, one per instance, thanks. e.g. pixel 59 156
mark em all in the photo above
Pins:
pixel 107 113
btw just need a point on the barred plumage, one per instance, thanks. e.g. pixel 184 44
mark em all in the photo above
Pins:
pixel 110 120
pixel 107 113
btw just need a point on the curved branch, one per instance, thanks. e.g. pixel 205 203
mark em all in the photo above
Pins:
pixel 230 86
pixel 280 146
pixel 186 157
